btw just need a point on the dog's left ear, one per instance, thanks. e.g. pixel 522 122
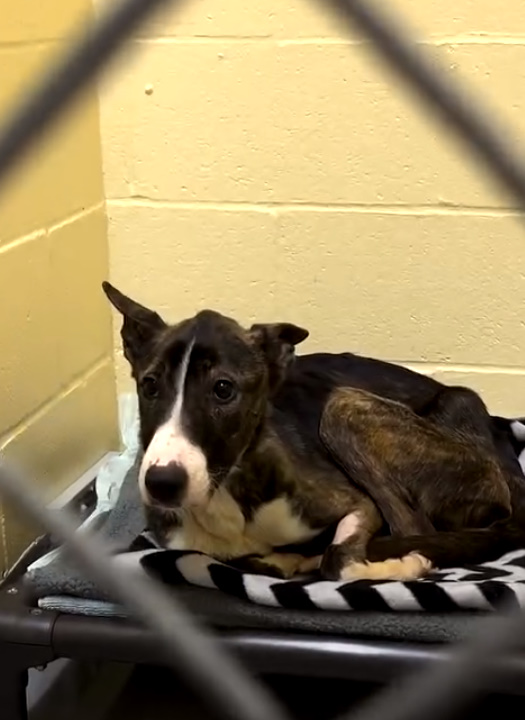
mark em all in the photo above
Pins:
pixel 140 324
pixel 277 341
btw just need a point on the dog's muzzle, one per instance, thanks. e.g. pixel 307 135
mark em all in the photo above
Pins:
pixel 166 484
pixel 174 471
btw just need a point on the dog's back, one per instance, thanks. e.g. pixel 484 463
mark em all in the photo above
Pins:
pixel 312 378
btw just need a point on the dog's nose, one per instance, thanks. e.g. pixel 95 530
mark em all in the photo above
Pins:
pixel 166 483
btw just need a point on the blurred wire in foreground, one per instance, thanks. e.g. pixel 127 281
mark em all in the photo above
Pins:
pixel 192 652
pixel 437 693
pixel 218 680
pixel 58 86
pixel 437 88
pixel 443 690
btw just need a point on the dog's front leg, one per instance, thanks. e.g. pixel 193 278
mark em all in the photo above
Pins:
pixel 279 565
pixel 350 540
pixel 346 558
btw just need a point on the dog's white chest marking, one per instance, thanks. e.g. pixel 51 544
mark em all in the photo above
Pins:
pixel 276 522
pixel 218 528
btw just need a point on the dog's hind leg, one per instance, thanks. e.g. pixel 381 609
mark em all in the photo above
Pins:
pixel 418 472
pixel 363 432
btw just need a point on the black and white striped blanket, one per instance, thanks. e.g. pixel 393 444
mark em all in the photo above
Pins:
pixel 476 587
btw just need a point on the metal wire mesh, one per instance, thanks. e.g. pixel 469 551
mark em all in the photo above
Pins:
pixel 191 651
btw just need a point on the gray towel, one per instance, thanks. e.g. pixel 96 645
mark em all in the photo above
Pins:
pixel 119 526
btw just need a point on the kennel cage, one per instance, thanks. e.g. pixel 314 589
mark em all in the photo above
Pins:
pixel 30 637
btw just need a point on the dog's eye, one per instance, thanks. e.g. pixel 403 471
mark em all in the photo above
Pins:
pixel 224 390
pixel 149 387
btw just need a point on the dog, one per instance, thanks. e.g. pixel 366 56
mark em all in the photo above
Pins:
pixel 286 464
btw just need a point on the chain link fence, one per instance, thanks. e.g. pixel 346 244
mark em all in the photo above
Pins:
pixel 193 653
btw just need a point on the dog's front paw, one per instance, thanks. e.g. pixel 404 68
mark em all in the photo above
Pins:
pixel 257 566
pixel 287 565
pixel 338 557
pixel 278 565
pixel 263 567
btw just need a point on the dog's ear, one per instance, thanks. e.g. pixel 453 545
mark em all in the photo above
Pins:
pixel 139 327
pixel 277 342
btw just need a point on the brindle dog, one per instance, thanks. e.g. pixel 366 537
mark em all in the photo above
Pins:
pixel 285 464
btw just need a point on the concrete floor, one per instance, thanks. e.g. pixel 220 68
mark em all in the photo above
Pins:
pixel 152 694
pixel 119 692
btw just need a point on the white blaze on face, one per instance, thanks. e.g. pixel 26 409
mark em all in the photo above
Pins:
pixel 171 445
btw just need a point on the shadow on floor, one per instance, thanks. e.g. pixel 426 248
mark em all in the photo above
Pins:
pixel 120 692
pixel 152 694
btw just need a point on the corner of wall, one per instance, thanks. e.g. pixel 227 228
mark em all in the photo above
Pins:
pixel 57 385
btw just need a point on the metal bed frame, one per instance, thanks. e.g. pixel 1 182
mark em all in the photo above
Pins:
pixel 434 681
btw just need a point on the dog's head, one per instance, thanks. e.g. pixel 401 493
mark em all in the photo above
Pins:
pixel 203 387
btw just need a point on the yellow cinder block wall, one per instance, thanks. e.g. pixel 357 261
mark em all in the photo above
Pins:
pixel 260 161
pixel 57 399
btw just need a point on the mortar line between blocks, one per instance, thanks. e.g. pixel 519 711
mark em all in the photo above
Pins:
pixel 51 228
pixel 276 207
pixel 283 41
pixel 474 368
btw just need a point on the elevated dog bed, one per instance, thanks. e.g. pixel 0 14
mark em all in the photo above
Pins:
pixel 59 586
pixel 357 632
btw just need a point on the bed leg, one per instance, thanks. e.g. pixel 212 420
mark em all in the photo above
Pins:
pixel 13 684
pixel 26 635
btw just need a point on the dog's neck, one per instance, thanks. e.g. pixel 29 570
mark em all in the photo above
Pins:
pixel 264 471
pixel 249 512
